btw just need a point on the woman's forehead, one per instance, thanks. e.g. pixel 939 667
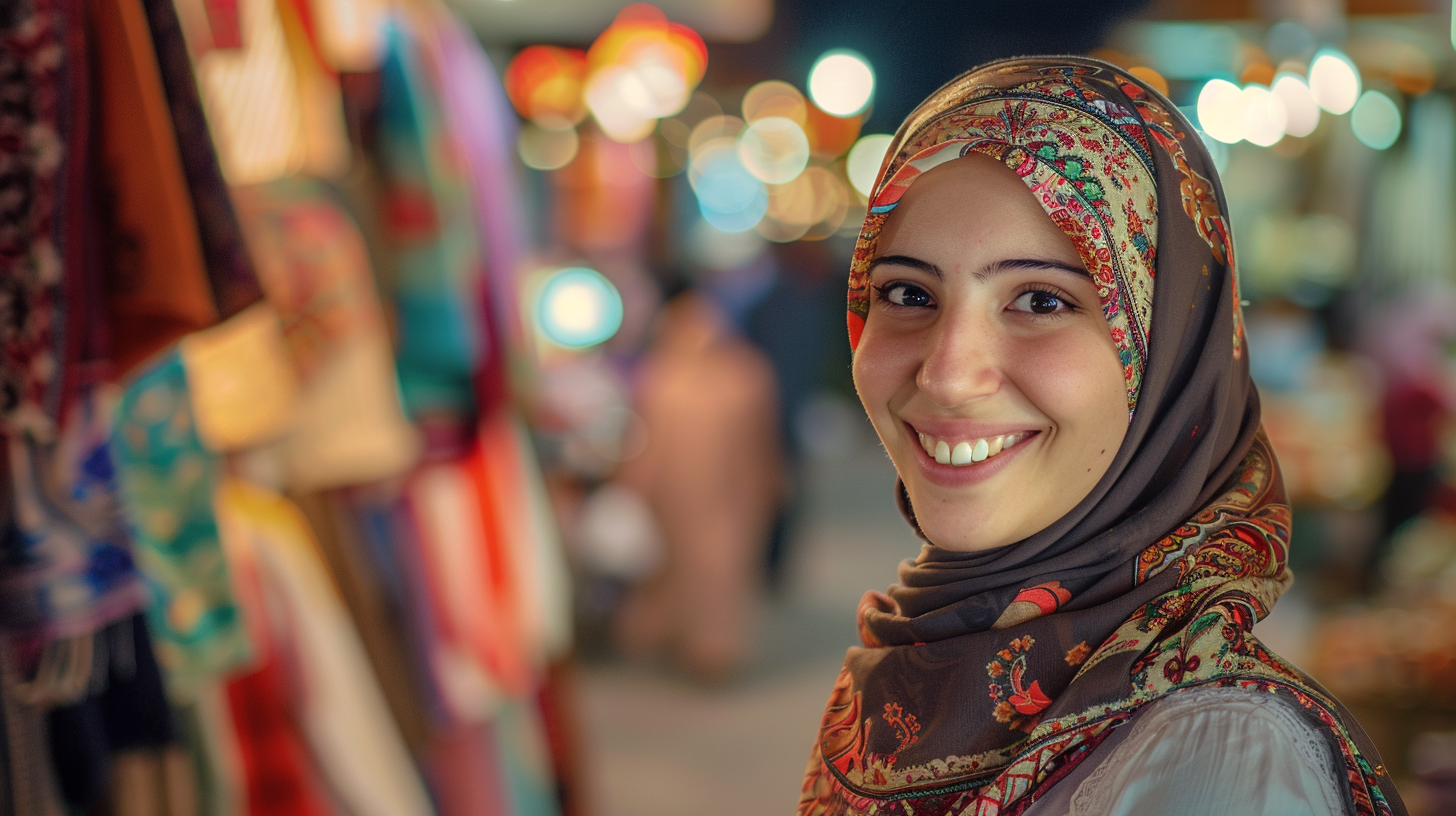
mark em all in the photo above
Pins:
pixel 974 201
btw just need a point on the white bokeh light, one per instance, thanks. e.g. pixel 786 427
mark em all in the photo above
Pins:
pixel 1334 81
pixel 578 307
pixel 1302 112
pixel 774 149
pixel 1264 116
pixel 864 160
pixel 1221 111
pixel 842 83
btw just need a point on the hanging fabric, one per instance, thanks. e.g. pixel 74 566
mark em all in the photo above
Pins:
pixel 157 284
pixel 348 425
pixel 435 282
pixel 167 481
pixel 336 698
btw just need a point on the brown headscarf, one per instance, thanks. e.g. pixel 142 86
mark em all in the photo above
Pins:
pixel 1154 581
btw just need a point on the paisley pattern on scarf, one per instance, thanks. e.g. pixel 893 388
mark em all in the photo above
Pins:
pixel 1220 574
pixel 1015 663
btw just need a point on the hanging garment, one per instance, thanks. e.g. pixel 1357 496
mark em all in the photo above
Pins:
pixel 43 157
pixel 435 285
pixel 333 693
pixel 483 125
pixel 251 95
pixel 167 479
pixel 361 584
pixel 239 381
pixel 157 282
pixel 123 711
pixel 229 269
pixel 986 677
pixel 68 566
pixel 348 426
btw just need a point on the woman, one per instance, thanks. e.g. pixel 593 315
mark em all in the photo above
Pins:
pixel 1059 377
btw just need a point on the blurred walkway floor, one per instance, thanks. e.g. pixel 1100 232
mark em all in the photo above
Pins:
pixel 658 745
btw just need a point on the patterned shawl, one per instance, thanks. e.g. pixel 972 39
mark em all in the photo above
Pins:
pixel 985 677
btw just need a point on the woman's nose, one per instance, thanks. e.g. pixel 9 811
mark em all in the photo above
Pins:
pixel 962 362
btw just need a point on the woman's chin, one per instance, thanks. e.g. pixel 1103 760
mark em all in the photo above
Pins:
pixel 964 527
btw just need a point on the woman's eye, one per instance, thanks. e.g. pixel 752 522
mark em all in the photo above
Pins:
pixel 905 294
pixel 1039 302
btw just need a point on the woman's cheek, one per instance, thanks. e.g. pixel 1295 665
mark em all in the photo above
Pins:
pixel 1073 376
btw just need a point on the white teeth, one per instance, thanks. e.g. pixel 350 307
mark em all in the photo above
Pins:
pixel 980 451
pixel 966 453
pixel 961 455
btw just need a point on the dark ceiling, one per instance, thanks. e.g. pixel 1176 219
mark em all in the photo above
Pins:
pixel 914 45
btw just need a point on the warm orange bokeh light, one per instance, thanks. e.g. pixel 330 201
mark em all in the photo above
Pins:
pixel 545 83
pixel 641 33
pixel 829 136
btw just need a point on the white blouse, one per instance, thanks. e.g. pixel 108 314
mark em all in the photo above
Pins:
pixel 1214 751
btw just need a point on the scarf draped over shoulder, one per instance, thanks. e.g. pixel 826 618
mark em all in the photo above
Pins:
pixel 985 677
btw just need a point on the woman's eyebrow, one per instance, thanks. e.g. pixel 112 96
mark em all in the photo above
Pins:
pixel 905 260
pixel 1008 264
pixel 1003 265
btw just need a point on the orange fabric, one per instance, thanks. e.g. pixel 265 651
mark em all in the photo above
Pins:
pixel 156 281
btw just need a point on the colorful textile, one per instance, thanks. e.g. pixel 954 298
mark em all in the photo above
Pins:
pixel 157 282
pixel 986 677
pixel 229 269
pixel 67 563
pixel 436 280
pixel 239 380
pixel 334 693
pixel 483 124
pixel 348 423
pixel 37 74
pixel 167 480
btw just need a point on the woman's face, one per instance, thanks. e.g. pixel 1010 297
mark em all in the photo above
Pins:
pixel 985 364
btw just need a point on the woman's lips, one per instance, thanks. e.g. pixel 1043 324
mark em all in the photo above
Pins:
pixel 958 460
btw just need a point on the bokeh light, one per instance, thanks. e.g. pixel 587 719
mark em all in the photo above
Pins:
pixel 1334 81
pixel 545 148
pixel 729 196
pixel 842 83
pixel 544 84
pixel 578 308
pixel 864 160
pixel 829 136
pixel 1221 111
pixel 1376 120
pixel 811 207
pixel 713 130
pixel 1302 112
pixel 640 69
pixel 774 98
pixel 774 149
pixel 1264 117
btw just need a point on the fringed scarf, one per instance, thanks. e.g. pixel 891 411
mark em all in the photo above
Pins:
pixel 986 677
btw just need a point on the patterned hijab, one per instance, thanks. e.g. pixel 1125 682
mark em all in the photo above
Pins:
pixel 987 676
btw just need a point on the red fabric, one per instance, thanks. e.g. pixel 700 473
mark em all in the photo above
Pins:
pixel 280 779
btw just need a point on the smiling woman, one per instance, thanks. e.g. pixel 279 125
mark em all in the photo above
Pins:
pixel 986 329
pixel 1104 519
